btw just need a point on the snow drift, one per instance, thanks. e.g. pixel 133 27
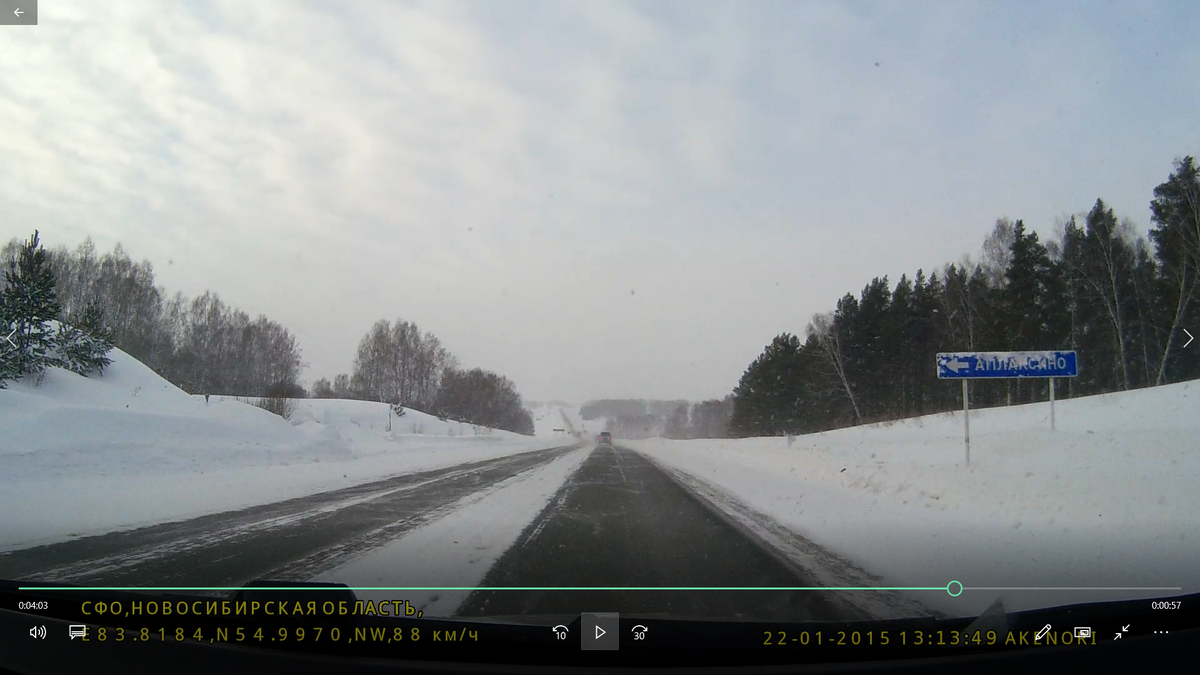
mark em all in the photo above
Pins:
pixel 85 455
pixel 1109 499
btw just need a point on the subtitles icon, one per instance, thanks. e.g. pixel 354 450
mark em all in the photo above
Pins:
pixel 1083 632
pixel 77 630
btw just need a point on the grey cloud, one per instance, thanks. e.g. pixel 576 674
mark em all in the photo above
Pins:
pixel 504 173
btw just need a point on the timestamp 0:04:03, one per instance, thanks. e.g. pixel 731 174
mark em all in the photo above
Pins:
pixel 242 634
pixel 854 638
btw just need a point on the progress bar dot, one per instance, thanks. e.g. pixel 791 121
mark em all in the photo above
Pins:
pixel 951 588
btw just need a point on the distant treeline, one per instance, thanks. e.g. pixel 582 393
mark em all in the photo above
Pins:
pixel 204 346
pixel 641 418
pixel 201 344
pixel 398 364
pixel 1096 287
pixel 627 407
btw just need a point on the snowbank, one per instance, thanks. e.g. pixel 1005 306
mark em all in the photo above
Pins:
pixel 83 455
pixel 1109 499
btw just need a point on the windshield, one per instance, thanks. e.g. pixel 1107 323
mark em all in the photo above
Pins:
pixel 898 299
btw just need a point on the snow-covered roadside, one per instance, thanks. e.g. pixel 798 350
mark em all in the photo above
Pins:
pixel 459 548
pixel 82 456
pixel 549 417
pixel 1107 500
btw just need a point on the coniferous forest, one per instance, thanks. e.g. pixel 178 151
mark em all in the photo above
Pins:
pixel 1097 286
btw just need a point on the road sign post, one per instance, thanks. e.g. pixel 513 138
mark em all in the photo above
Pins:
pixel 968 366
pixel 1052 404
pixel 967 420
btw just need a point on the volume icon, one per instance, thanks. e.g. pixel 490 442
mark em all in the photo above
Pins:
pixel 38 632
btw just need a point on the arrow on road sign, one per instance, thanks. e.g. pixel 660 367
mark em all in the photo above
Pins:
pixel 956 365
pixel 1190 338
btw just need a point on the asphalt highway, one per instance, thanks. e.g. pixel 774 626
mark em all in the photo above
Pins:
pixel 289 540
pixel 620 521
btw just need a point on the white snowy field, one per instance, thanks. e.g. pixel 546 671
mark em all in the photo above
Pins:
pixel 1109 499
pixel 459 548
pixel 82 456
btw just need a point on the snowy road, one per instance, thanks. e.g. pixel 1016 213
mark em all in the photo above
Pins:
pixel 293 539
pixel 566 516
pixel 621 521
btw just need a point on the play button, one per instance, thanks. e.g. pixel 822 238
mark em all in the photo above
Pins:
pixel 601 630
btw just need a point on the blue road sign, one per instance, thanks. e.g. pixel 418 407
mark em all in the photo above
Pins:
pixel 972 365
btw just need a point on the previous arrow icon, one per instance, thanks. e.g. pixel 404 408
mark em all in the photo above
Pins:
pixel 18 12
pixel 1190 338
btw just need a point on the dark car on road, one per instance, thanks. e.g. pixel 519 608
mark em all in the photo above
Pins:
pixel 605 438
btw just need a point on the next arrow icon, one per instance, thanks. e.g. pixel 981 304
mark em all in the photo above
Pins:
pixel 1190 338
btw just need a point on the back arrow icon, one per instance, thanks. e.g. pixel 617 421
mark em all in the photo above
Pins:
pixel 1190 338
pixel 9 338
pixel 18 12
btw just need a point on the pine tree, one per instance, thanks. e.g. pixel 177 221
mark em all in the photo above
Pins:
pixel 71 349
pixel 1176 236
pixel 92 322
pixel 869 369
pixel 83 348
pixel 28 303
pixel 930 328
pixel 1026 300
pixel 769 399
pixel 900 339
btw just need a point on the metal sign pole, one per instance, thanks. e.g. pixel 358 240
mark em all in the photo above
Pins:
pixel 967 421
pixel 1052 404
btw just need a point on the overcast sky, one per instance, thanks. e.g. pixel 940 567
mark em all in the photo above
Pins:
pixel 594 198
